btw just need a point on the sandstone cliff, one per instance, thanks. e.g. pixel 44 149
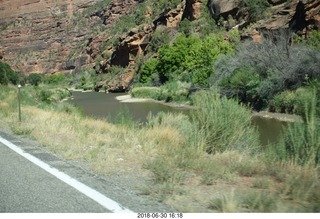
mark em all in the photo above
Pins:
pixel 34 34
pixel 49 36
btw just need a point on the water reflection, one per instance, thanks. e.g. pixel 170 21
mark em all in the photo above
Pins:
pixel 101 105
pixel 269 129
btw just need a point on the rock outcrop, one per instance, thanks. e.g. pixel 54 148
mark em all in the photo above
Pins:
pixel 193 9
pixel 298 16
pixel 134 45
pixel 49 36
pixel 37 35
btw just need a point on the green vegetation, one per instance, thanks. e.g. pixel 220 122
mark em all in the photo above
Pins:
pixel 214 117
pixel 172 91
pixel 257 8
pixel 300 142
pixel 256 73
pixel 34 79
pixel 7 75
pixel 188 59
pixel 215 146
pixel 209 160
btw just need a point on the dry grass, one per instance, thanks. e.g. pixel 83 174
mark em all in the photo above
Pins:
pixel 108 148
pixel 173 152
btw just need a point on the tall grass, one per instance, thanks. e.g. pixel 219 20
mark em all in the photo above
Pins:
pixel 300 143
pixel 226 125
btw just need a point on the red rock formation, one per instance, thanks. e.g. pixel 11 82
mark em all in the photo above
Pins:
pixel 299 16
pixel 193 9
pixel 37 35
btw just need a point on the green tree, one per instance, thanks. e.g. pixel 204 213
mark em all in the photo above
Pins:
pixel 191 59
pixel 147 71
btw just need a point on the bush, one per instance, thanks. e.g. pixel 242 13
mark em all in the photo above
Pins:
pixel 146 92
pixel 34 79
pixel 313 39
pixel 7 75
pixel 226 125
pixel 279 66
pixel 55 79
pixel 190 59
pixel 284 102
pixel 257 8
pixel 296 101
pixel 175 91
pixel 300 143
pixel 147 73
pixel 243 85
pixel 159 38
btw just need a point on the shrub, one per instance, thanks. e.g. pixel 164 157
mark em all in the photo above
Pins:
pixel 225 203
pixel 285 102
pixel 296 101
pixel 34 79
pixel 259 202
pixel 159 37
pixel 45 96
pixel 175 91
pixel 190 59
pixel 313 39
pixel 300 143
pixel 146 92
pixel 279 66
pixel 257 8
pixel 124 118
pixel 7 75
pixel 55 79
pixel 147 72
pixel 243 85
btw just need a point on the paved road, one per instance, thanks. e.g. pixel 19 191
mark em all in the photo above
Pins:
pixel 25 187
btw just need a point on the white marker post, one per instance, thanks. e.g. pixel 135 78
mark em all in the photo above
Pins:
pixel 19 100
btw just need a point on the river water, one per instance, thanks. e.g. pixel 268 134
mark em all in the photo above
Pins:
pixel 101 105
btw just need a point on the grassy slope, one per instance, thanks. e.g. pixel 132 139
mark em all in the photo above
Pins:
pixel 172 153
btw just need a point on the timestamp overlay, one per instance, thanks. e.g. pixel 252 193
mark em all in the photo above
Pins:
pixel 164 215
pixel 160 215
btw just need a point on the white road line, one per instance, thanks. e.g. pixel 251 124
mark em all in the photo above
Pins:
pixel 86 190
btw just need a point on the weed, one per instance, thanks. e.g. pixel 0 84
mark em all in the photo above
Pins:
pixel 21 129
pixel 261 183
pixel 214 115
pixel 124 118
pixel 225 203
pixel 258 202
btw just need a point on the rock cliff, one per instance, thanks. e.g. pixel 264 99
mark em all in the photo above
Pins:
pixel 35 36
pixel 49 36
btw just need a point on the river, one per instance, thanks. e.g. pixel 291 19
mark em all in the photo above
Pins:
pixel 101 105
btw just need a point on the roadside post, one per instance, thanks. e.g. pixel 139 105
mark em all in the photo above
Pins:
pixel 19 102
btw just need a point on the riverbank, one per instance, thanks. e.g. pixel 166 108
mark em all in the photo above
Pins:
pixel 283 117
pixel 129 99
pixel 278 116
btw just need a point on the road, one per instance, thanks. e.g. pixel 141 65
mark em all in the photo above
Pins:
pixel 25 187
pixel 33 179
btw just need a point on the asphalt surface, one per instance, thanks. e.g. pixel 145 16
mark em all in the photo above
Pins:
pixel 25 187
